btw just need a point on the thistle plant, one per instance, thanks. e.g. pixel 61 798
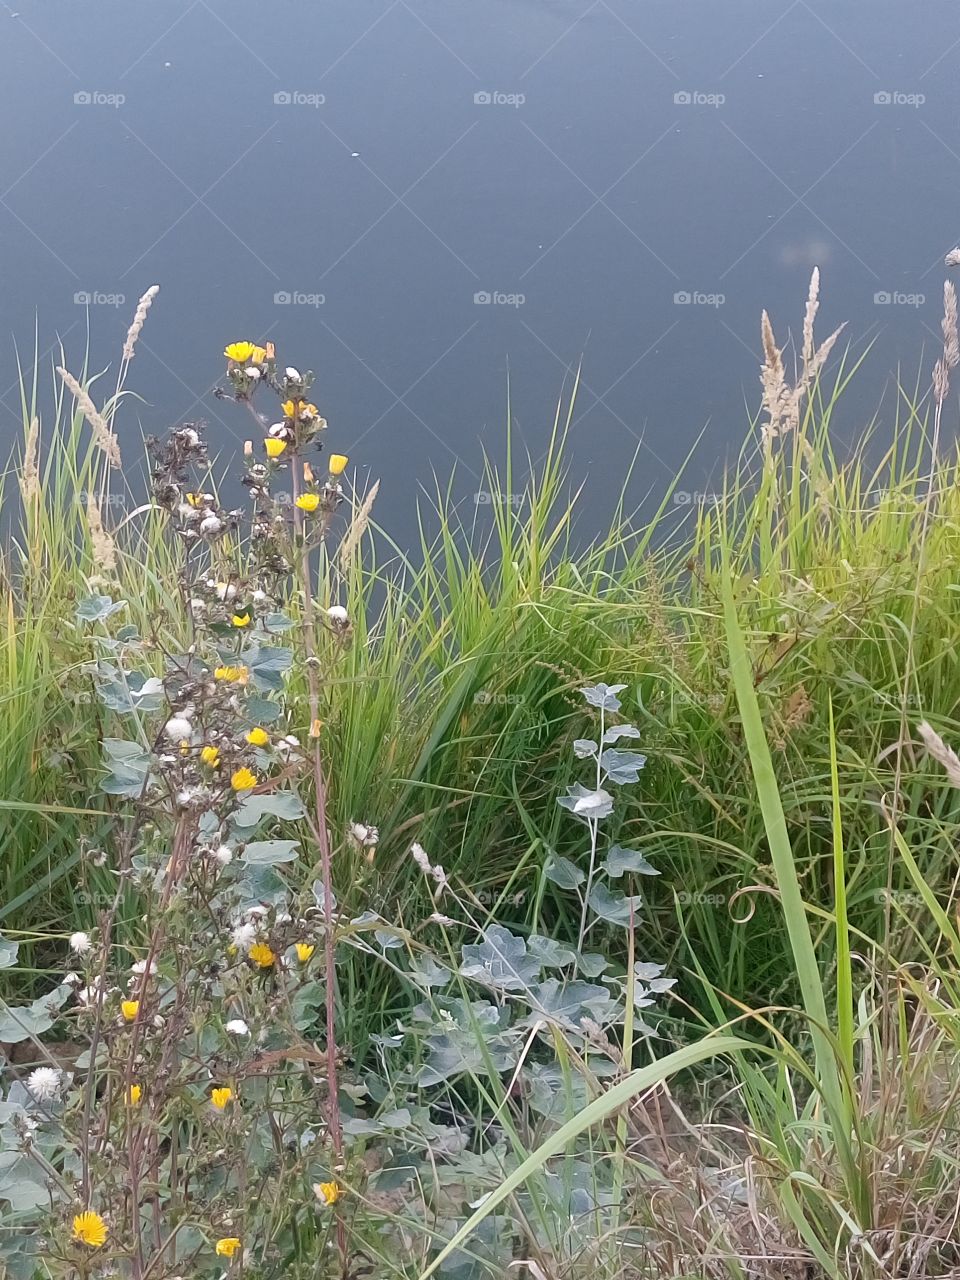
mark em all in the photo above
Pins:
pixel 191 1092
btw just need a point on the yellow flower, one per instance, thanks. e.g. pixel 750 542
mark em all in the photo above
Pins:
pixel 327 1192
pixel 89 1228
pixel 304 951
pixel 306 410
pixel 228 1246
pixel 134 1094
pixel 195 499
pixel 308 501
pixel 245 353
pixel 241 619
pixel 233 675
pixel 130 1009
pixel 221 1097
pixel 243 779
pixel 258 737
pixel 261 955
pixel 273 446
pixel 184 747
pixel 338 463
pixel 210 756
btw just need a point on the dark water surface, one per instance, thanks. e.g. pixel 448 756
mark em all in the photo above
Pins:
pixel 628 179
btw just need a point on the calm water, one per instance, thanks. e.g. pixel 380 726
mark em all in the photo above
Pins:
pixel 412 196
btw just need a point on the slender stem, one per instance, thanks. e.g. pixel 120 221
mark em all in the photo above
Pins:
pixel 323 838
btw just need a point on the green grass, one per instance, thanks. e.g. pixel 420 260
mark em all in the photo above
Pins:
pixel 454 702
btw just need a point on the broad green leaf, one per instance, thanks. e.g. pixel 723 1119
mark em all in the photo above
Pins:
pixel 270 852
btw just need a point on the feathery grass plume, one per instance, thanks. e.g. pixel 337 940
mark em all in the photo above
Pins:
pixel 30 470
pixel 103 545
pixel 772 380
pixel 133 333
pixel 358 525
pixel 953 258
pixel 813 306
pixel 102 434
pixel 951 344
pixel 781 401
pixel 943 754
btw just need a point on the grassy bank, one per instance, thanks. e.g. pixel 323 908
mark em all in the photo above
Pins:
pixel 795 1113
pixel 455 702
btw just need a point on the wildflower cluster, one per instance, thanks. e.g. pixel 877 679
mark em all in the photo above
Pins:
pixel 200 1074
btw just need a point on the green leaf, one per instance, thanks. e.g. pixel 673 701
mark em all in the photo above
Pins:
pixel 21 1022
pixel 613 907
pixel 98 608
pixel 622 766
pixel 563 872
pixel 278 804
pixel 501 960
pixel 604 696
pixel 8 952
pixel 270 852
pixel 619 860
pixel 549 952
pixel 586 804
pixel 593 1114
